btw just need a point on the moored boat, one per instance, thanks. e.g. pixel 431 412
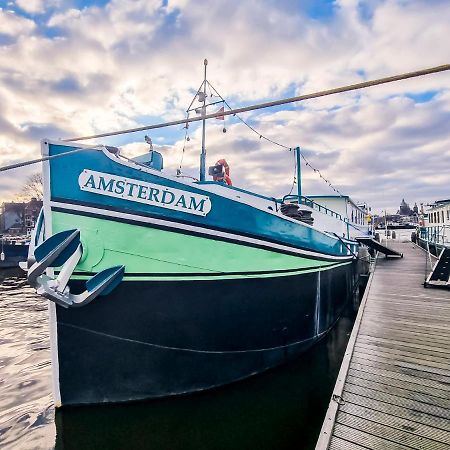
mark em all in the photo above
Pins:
pixel 162 285
pixel 433 232
pixel 13 250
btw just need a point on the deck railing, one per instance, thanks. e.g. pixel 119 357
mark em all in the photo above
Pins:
pixel 312 204
pixel 438 234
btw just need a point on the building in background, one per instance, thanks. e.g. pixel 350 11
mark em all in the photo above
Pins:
pixel 405 217
pixel 17 218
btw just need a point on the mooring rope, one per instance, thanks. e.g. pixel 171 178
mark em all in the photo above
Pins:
pixel 284 101
pixel 185 121
pixel 47 158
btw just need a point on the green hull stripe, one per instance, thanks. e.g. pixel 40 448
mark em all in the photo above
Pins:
pixel 222 277
pixel 150 250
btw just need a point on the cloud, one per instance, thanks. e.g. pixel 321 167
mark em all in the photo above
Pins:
pixel 83 70
pixel 34 6
pixel 12 24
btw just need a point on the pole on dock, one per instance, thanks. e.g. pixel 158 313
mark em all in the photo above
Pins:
pixel 385 224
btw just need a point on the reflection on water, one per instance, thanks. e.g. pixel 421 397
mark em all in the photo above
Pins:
pixel 281 409
pixel 26 407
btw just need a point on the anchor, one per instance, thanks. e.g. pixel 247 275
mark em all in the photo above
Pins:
pixel 64 250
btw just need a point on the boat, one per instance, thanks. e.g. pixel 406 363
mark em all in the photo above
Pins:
pixel 162 285
pixel 433 231
pixel 13 250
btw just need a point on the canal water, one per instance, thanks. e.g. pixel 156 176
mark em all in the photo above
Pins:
pixel 280 409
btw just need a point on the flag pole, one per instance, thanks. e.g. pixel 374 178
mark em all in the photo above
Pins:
pixel 203 154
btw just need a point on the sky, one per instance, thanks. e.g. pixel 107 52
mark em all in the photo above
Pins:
pixel 75 67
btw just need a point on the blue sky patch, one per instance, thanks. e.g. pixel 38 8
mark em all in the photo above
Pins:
pixel 423 97
pixel 321 9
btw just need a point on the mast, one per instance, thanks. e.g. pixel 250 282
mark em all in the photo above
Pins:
pixel 299 175
pixel 203 154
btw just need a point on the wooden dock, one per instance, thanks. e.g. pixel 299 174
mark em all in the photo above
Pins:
pixel 393 389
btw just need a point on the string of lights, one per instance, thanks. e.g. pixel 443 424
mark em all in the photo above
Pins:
pixel 320 175
pixel 261 136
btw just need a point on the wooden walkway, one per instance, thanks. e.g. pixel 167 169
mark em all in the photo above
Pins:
pixel 393 389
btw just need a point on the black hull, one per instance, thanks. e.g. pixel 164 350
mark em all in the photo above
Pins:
pixel 154 339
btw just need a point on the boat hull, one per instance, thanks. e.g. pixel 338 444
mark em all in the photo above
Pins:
pixel 151 339
pixel 434 247
pixel 217 285
pixel 14 254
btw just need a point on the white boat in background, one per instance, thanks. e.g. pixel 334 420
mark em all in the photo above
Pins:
pixel 433 232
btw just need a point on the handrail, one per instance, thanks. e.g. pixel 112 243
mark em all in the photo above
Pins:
pixel 311 203
pixel 434 233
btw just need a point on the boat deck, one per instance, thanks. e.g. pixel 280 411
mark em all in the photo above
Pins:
pixel 393 389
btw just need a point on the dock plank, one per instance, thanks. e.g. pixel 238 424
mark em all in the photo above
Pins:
pixel 393 390
pixel 341 444
pixel 391 381
pixel 397 422
pixel 427 355
pixel 400 391
pixel 398 411
pixel 395 399
pixel 366 439
pixel 396 435
pixel 397 372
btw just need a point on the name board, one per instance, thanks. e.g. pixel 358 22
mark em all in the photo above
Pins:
pixel 143 192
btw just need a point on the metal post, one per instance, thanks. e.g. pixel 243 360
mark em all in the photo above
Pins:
pixel 203 154
pixel 385 224
pixel 299 175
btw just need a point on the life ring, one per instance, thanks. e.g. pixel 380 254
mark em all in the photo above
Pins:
pixel 226 176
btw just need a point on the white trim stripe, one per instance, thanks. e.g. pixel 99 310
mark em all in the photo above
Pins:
pixel 181 226
pixel 53 326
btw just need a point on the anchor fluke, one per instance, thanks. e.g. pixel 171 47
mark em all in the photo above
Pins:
pixel 101 284
pixel 53 252
pixel 64 250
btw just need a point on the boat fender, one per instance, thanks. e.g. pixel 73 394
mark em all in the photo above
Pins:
pixel 226 176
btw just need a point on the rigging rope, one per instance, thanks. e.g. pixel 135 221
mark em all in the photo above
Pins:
pixel 186 121
pixel 261 136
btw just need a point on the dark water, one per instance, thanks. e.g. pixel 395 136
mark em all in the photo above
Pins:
pixel 281 409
